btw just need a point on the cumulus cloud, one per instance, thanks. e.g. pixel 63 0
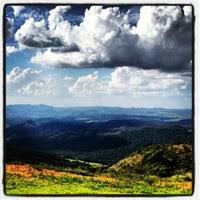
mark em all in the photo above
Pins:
pixel 20 75
pixel 40 87
pixel 29 82
pixel 94 39
pixel 128 81
pixel 11 49
pixel 132 81
pixel 33 88
pixel 17 10
pixel 138 81
pixel 161 39
pixel 86 85
pixel 34 34
pixel 156 20
pixel 55 16
pixel 167 36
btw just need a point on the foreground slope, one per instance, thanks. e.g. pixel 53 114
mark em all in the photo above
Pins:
pixel 154 170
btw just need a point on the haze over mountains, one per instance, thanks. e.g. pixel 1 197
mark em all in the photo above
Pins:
pixel 95 113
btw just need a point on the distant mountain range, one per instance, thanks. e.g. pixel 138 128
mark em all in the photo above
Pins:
pixel 24 112
pixel 100 134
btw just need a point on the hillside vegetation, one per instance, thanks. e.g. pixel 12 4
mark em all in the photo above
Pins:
pixel 98 150
pixel 160 160
pixel 157 169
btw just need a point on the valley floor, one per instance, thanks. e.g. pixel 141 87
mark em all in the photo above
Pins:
pixel 24 179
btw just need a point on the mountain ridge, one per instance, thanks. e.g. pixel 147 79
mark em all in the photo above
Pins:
pixel 123 107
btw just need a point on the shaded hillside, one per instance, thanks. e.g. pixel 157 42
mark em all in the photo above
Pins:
pixel 90 144
pixel 161 160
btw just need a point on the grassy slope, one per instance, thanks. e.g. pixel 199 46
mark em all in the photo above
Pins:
pixel 149 185
pixel 121 178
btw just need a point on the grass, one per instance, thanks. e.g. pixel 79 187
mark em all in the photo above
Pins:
pixel 156 170
pixel 135 185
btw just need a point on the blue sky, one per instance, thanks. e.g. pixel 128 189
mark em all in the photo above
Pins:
pixel 83 55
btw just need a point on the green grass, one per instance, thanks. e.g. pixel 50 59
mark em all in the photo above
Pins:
pixel 161 170
pixel 151 185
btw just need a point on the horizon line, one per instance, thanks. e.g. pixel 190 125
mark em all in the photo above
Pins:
pixel 179 108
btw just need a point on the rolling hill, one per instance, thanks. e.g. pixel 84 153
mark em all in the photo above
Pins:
pixel 160 160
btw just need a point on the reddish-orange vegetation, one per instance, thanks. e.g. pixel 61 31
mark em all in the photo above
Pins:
pixel 181 185
pixel 23 170
pixel 185 185
pixel 29 171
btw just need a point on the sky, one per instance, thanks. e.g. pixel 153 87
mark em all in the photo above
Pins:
pixel 86 55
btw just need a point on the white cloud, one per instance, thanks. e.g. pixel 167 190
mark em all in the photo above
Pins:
pixel 17 10
pixel 11 49
pixel 106 38
pixel 94 37
pixel 55 16
pixel 34 34
pixel 86 85
pixel 18 75
pixel 166 38
pixel 131 81
pixel 49 58
pixel 126 81
pixel 136 81
pixel 29 82
pixel 188 13
pixel 33 88
pixel 38 88
pixel 154 21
